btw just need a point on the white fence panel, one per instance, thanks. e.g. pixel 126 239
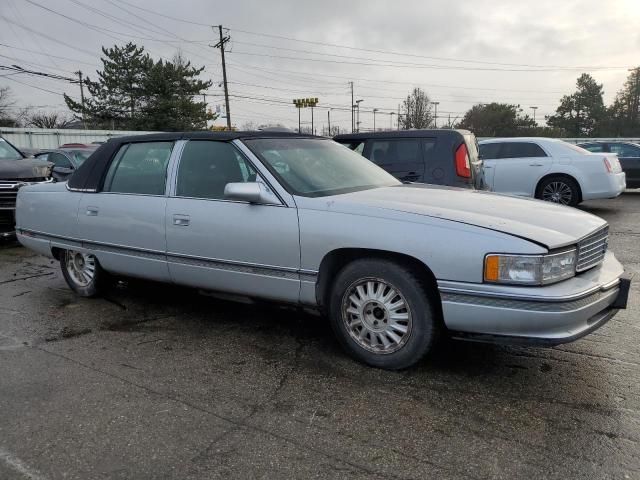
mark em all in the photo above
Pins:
pixel 52 138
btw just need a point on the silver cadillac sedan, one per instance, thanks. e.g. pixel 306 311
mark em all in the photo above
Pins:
pixel 306 221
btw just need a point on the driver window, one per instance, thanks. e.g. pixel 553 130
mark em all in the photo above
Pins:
pixel 206 167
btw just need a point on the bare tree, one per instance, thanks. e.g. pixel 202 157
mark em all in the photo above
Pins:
pixel 417 110
pixel 7 104
pixel 48 120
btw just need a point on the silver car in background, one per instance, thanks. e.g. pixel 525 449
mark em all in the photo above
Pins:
pixel 306 221
pixel 550 169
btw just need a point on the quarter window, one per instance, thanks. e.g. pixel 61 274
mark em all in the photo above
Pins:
pixel 206 167
pixel 139 168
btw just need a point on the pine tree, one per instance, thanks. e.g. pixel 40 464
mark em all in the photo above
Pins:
pixel 581 114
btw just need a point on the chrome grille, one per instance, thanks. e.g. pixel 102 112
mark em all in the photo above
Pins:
pixel 8 194
pixel 591 250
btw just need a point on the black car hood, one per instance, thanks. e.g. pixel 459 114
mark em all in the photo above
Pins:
pixel 24 169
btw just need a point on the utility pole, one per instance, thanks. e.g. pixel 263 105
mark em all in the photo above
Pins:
pixel 329 121
pixel 435 116
pixel 84 123
pixel 353 124
pixel 374 119
pixel 220 45
pixel 391 120
pixel 534 113
pixel 312 130
pixel 357 105
pixel 398 116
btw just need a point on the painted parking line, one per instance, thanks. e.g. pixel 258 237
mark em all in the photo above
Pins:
pixel 17 465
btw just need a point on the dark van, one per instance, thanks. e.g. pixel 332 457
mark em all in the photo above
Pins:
pixel 441 157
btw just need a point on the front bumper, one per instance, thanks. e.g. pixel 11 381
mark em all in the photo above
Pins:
pixel 549 315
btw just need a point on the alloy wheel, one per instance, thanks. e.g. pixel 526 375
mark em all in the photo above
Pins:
pixel 81 267
pixel 557 192
pixel 376 315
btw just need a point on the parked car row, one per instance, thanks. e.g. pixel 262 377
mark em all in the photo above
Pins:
pixel 302 220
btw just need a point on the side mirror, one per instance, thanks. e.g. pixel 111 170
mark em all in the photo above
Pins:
pixel 252 192
pixel 62 170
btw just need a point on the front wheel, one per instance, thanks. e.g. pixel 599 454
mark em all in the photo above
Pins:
pixel 83 273
pixel 562 190
pixel 382 313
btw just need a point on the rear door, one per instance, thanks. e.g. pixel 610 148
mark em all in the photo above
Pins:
pixel 401 157
pixel 520 166
pixel 124 223
pixel 629 156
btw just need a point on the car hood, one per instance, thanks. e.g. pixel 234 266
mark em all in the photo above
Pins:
pixel 545 223
pixel 25 168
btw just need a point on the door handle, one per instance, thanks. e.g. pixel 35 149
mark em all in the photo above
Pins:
pixel 487 166
pixel 92 211
pixel 536 165
pixel 181 220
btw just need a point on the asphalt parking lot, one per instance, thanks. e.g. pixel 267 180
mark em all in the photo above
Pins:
pixel 154 381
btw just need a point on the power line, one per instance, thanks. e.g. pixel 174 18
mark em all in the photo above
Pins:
pixel 32 86
pixel 46 54
pixel 52 39
pixel 414 65
pixel 370 50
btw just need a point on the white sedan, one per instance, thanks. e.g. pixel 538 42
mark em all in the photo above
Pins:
pixel 550 169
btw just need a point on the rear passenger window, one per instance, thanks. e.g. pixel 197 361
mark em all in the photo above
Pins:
pixel 139 168
pixel 389 152
pixel 521 150
pixel 206 167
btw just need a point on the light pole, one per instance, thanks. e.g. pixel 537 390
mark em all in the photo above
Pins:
pixel 329 121
pixel 391 120
pixel 357 105
pixel 435 117
pixel 374 119
pixel 534 113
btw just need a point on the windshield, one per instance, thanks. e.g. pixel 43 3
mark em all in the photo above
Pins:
pixel 7 152
pixel 316 168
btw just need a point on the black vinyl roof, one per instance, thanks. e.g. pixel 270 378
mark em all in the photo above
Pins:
pixel 435 132
pixel 88 176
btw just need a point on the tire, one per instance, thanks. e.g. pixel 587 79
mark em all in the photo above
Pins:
pixel 363 330
pixel 559 189
pixel 83 273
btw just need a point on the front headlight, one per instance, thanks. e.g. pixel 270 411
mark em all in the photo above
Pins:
pixel 530 269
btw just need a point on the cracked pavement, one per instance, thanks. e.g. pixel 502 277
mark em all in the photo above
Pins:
pixel 156 381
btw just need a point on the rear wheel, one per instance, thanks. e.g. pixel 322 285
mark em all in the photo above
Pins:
pixel 382 314
pixel 82 272
pixel 562 190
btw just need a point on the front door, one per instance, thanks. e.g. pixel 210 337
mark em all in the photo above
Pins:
pixel 124 223
pixel 224 245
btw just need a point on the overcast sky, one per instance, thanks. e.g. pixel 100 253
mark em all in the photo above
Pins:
pixel 460 52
